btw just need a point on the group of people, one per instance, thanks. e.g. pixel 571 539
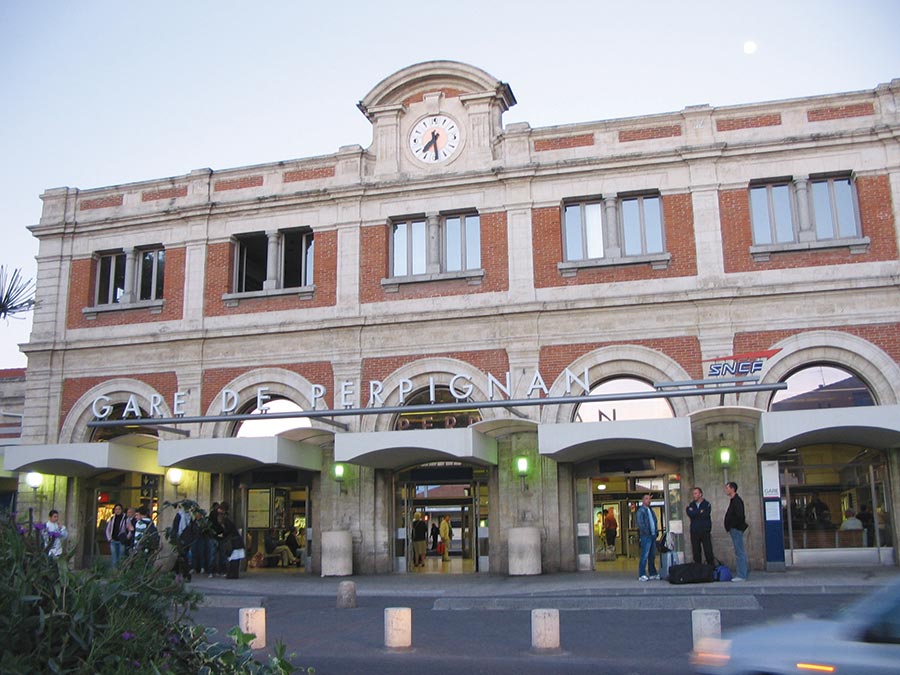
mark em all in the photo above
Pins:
pixel 129 531
pixel 699 511
pixel 290 549
pixel 206 543
pixel 420 534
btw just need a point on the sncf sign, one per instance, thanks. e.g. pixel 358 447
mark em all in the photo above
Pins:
pixel 739 364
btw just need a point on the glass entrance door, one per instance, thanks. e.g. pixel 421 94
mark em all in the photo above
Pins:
pixel 435 492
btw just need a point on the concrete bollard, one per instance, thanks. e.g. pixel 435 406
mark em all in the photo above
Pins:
pixel 398 627
pixel 706 623
pixel 346 597
pixel 545 629
pixel 253 620
pixel 524 549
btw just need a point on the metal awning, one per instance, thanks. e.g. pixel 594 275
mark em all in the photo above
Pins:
pixel 399 449
pixel 581 441
pixel 868 426
pixel 123 453
pixel 233 455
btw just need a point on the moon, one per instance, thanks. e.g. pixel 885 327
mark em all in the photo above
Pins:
pixel 749 47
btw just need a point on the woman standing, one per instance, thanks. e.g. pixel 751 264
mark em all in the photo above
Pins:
pixel 116 531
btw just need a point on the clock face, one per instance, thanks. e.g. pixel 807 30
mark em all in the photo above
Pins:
pixel 434 139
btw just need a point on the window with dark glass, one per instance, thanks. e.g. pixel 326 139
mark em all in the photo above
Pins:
pixel 252 250
pixel 110 278
pixel 151 274
pixel 297 261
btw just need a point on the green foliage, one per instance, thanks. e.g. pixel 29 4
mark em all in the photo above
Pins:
pixel 131 620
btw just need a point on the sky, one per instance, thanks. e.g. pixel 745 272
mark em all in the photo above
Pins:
pixel 96 93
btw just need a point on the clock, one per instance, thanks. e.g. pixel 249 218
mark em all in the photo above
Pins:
pixel 434 139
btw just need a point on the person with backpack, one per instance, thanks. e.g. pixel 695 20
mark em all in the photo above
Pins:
pixel 736 525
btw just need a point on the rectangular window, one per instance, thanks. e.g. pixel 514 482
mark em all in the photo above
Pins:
pixel 409 247
pixel 110 278
pixel 250 270
pixel 772 214
pixel 834 209
pixel 297 261
pixel 151 273
pixel 642 225
pixel 462 243
pixel 583 231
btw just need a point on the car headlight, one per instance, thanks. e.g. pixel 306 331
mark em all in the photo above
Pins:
pixel 713 652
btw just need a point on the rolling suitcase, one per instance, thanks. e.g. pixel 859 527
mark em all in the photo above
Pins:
pixel 666 562
pixel 691 573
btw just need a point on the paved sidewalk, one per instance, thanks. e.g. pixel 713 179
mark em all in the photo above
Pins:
pixel 278 582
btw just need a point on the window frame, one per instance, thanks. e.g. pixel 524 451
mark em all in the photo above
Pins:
pixel 410 243
pixel 834 208
pixel 584 234
pixel 639 197
pixel 109 280
pixel 157 274
pixel 769 185
pixel 464 218
pixel 271 287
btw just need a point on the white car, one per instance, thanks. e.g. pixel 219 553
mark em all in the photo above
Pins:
pixel 864 639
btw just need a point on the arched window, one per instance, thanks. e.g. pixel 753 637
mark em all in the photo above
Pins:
pixel 623 409
pixel 822 386
pixel 465 416
pixel 271 427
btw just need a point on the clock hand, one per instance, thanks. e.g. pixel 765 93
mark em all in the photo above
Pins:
pixel 431 143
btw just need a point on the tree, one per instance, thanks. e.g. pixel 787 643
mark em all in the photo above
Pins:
pixel 16 293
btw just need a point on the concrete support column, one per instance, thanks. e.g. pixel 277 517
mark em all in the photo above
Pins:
pixel 804 224
pixel 612 247
pixel 524 551
pixel 272 240
pixel 128 294
pixel 433 241
pixel 337 554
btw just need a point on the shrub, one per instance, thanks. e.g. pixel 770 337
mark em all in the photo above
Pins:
pixel 130 620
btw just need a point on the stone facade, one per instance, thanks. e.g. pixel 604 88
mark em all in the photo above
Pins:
pixel 654 315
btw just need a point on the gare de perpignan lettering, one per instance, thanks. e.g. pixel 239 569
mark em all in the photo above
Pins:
pixel 460 387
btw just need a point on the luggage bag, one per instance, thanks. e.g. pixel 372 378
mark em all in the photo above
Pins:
pixel 666 562
pixel 691 573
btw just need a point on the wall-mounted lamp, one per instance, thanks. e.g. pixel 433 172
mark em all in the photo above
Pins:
pixel 175 476
pixel 522 469
pixel 601 487
pixel 34 481
pixel 724 456
pixel 339 475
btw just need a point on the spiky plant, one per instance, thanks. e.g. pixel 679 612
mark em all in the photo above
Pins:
pixel 16 293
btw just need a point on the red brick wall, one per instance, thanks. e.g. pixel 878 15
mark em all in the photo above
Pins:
pixel 101 202
pixel 678 217
pixel 649 133
pixel 308 174
pixel 735 123
pixel 220 272
pixel 839 112
pixel 317 372
pixel 886 336
pixel 165 383
pixel 164 193
pixel 876 216
pixel 81 295
pixel 493 361
pixel 375 265
pixel 563 142
pixel 684 350
pixel 238 183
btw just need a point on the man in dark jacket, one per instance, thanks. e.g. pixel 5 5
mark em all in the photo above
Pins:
pixel 700 513
pixel 736 525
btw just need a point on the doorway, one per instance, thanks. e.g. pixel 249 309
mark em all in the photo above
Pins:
pixel 434 491
pixel 614 501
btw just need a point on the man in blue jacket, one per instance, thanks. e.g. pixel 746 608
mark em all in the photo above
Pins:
pixel 648 531
pixel 700 513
